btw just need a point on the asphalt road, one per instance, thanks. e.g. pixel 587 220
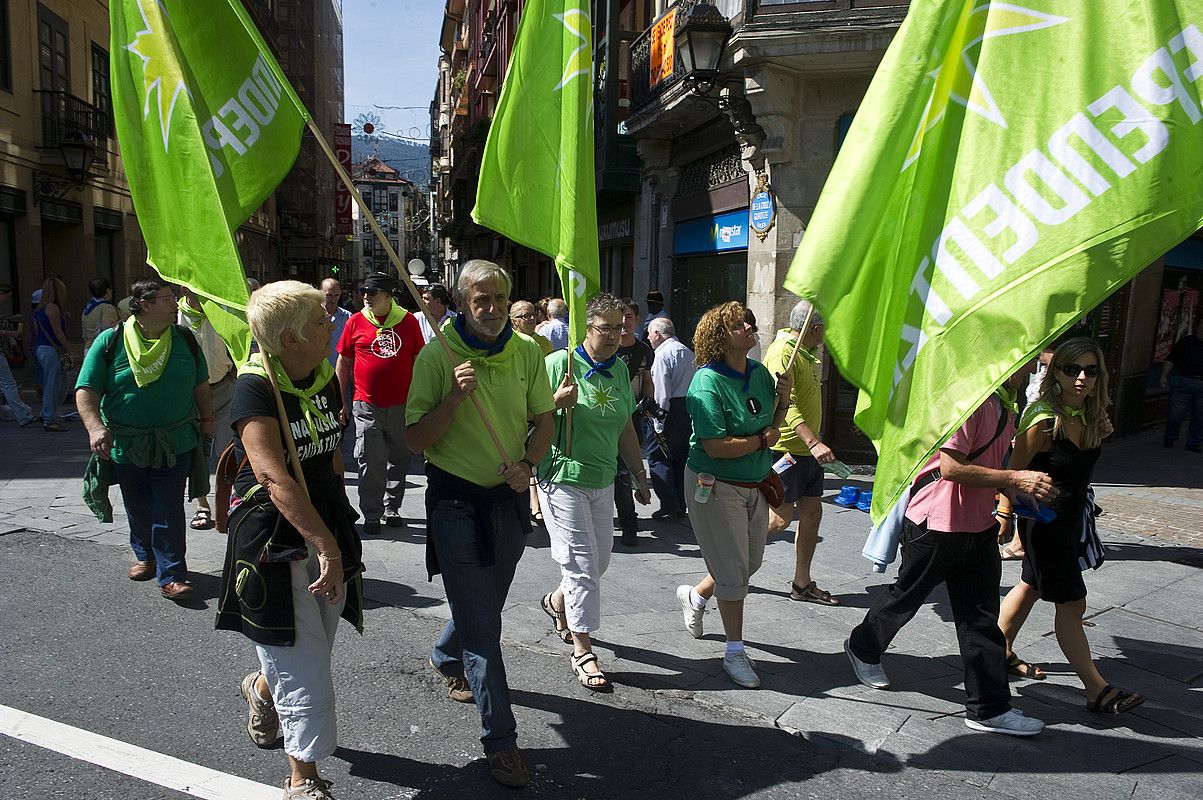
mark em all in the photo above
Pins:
pixel 91 649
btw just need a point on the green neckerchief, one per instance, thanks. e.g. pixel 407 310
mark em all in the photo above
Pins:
pixel 193 316
pixel 395 314
pixel 790 335
pixel 1042 410
pixel 323 373
pixel 147 358
pixel 1009 398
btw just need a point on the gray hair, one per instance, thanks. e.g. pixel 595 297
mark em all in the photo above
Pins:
pixel 797 315
pixel 479 270
pixel 557 308
pixel 662 325
pixel 603 303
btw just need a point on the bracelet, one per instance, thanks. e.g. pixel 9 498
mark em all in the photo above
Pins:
pixel 338 557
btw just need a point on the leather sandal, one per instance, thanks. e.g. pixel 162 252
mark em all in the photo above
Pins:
pixel 202 520
pixel 811 593
pixel 558 619
pixel 1017 666
pixel 595 681
pixel 1117 701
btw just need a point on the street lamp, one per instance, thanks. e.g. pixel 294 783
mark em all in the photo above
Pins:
pixel 78 151
pixel 700 41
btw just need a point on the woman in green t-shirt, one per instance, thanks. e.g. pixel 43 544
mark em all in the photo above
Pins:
pixel 736 409
pixel 576 484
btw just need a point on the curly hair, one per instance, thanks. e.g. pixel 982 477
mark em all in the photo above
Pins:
pixel 713 332
pixel 601 304
pixel 1096 402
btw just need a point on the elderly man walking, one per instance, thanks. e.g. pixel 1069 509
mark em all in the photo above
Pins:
pixel 438 300
pixel 475 503
pixel 332 293
pixel 672 371
pixel 556 328
pixel 803 481
pixel 378 348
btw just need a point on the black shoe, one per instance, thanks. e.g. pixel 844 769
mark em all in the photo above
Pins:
pixel 665 513
pixel 371 529
pixel 1195 448
pixel 393 519
pixel 1167 443
pixel 630 538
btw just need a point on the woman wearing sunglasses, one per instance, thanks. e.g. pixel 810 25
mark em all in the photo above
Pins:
pixel 1061 434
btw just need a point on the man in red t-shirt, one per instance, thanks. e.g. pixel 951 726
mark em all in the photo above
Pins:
pixel 379 344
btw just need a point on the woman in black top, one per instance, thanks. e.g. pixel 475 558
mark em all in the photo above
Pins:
pixel 293 558
pixel 1061 434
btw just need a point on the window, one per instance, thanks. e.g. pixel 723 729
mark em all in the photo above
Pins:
pixel 102 92
pixel 392 201
pixel 54 63
pixel 6 66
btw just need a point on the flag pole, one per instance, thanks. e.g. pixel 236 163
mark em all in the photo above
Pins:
pixel 293 456
pixel 801 334
pixel 404 273
pixel 568 411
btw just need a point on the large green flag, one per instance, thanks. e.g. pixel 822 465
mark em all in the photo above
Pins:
pixel 1011 165
pixel 537 182
pixel 208 127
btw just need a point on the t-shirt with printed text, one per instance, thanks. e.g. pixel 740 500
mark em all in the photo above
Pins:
pixel 383 358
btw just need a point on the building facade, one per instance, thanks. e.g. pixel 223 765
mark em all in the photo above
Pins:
pixel 399 206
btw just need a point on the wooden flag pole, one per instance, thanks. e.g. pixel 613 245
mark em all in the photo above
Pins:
pixel 789 366
pixel 293 456
pixel 404 273
pixel 568 411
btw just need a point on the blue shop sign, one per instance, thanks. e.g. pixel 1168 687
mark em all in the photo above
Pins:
pixel 717 234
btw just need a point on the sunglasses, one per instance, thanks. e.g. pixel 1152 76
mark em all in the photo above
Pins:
pixel 1074 370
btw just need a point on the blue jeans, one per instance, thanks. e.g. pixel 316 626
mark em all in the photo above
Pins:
pixel 154 502
pixel 1186 398
pixel 470 645
pixel 52 382
pixel 12 393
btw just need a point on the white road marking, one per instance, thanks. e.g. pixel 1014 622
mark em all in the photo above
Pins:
pixel 128 759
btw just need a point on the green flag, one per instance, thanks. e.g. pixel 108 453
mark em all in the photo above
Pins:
pixel 1011 165
pixel 537 182
pixel 208 127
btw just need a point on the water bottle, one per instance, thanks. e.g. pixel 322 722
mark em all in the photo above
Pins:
pixel 705 486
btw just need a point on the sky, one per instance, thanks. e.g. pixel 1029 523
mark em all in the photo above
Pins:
pixel 390 59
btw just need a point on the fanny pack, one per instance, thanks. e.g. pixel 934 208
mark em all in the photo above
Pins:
pixel 771 487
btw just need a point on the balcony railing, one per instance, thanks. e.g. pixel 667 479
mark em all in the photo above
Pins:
pixel 64 113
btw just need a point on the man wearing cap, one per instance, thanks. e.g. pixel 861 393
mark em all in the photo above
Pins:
pixel 377 348
pixel 474 496
pixel 655 310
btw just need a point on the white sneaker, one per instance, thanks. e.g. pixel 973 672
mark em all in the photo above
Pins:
pixel 871 675
pixel 739 668
pixel 693 617
pixel 1012 723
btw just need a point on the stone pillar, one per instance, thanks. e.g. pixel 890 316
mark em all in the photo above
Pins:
pixel 653 228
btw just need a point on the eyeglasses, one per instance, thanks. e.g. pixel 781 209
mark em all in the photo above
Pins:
pixel 530 315
pixel 607 330
pixel 1074 370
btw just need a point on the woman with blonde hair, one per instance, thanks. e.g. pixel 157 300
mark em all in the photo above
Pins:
pixel 736 408
pixel 293 558
pixel 1061 434
pixel 50 346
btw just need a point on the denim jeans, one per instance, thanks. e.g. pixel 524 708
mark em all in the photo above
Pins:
pixel 1184 393
pixel 968 565
pixel 471 642
pixel 154 502
pixel 52 382
pixel 12 393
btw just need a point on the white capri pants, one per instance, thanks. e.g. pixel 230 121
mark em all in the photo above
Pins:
pixel 300 677
pixel 580 523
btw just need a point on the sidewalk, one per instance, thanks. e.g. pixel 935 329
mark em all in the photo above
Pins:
pixel 1144 607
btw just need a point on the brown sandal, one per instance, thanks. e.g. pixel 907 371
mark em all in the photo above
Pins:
pixel 811 593
pixel 1118 701
pixel 1017 666
pixel 558 619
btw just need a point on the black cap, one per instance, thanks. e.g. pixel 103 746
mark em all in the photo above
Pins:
pixel 654 296
pixel 379 282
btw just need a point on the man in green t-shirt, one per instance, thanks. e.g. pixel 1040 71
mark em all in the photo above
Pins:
pixel 475 498
pixel 803 481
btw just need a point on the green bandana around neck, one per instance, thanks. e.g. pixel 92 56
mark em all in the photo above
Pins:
pixel 395 314
pixel 147 357
pixel 322 375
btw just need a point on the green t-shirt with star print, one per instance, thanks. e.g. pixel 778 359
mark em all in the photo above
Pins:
pixel 603 407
